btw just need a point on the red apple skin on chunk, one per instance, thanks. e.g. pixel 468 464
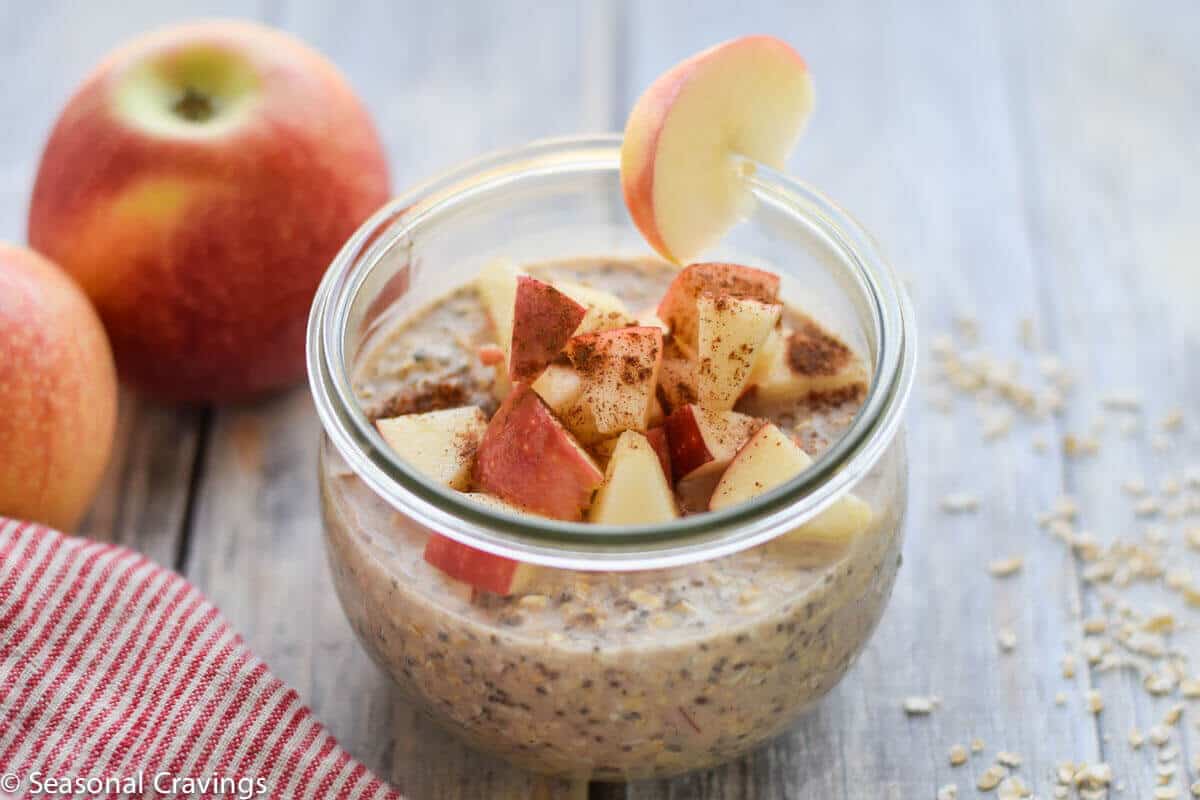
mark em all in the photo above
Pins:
pixel 679 310
pixel 658 440
pixel 543 320
pixel 705 440
pixel 702 443
pixel 529 459
pixel 201 224
pixel 479 568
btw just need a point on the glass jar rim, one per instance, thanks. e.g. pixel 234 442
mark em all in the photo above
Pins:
pixel 587 546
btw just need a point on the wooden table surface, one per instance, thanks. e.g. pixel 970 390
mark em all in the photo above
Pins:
pixel 1032 166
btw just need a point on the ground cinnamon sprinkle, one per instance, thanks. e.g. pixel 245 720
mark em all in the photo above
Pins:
pixel 585 356
pixel 831 399
pixel 425 396
pixel 812 351
pixel 465 445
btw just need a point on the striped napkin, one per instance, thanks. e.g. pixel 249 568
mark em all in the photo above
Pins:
pixel 119 679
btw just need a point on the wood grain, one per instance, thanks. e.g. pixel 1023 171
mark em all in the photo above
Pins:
pixel 1109 125
pixel 1025 160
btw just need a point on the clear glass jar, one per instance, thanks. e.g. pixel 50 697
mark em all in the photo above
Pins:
pixel 641 651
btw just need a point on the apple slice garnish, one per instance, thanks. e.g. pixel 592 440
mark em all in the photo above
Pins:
pixel 530 460
pixel 732 330
pixel 543 320
pixel 440 444
pixel 679 306
pixel 680 170
pixel 619 372
pixel 793 365
pixel 635 490
pixel 770 459
pixel 701 444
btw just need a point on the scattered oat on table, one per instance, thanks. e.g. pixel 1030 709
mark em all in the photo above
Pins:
pixel 958 755
pixel 918 706
pixel 1002 568
pixel 960 503
pixel 990 778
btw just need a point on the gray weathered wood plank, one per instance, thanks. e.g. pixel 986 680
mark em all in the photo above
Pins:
pixel 1111 126
pixel 1035 160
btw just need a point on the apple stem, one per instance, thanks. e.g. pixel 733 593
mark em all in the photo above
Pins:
pixel 194 106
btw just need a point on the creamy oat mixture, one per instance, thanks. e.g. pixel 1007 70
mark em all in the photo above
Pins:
pixel 601 675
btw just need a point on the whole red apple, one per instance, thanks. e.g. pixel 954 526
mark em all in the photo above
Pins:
pixel 197 185
pixel 58 393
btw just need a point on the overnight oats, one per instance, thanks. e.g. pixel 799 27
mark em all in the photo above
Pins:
pixel 608 516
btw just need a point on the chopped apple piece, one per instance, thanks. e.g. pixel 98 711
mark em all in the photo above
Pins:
pixel 657 415
pixel 702 443
pixel 677 377
pixel 479 568
pixel 767 460
pixel 559 386
pixel 680 171
pixel 835 527
pixel 604 448
pixel 605 311
pixel 650 319
pixel 700 438
pixel 794 365
pixel 657 437
pixel 529 459
pixel 732 329
pixel 543 320
pixel 619 371
pixel 772 352
pixel 440 444
pixel 771 459
pixel 501 383
pixel 497 287
pixel 678 308
pixel 635 491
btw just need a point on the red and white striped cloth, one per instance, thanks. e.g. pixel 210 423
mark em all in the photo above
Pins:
pixel 112 667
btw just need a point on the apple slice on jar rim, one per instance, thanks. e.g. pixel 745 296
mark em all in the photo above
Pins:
pixel 699 128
